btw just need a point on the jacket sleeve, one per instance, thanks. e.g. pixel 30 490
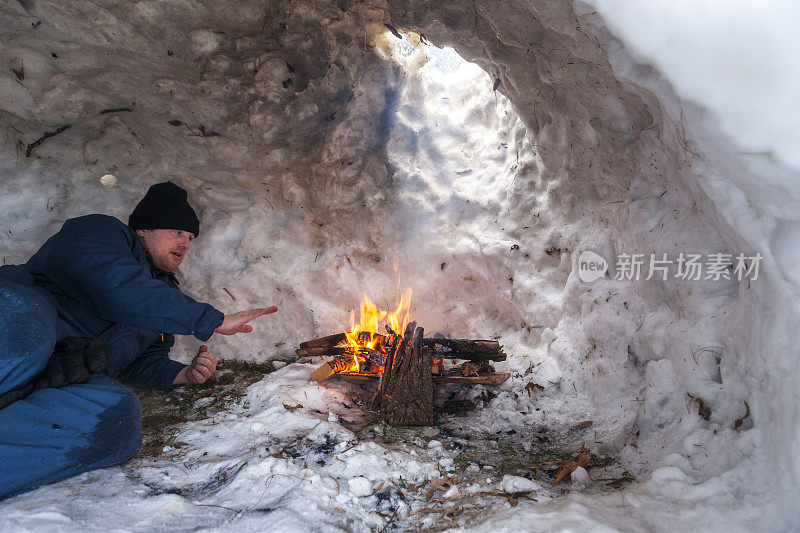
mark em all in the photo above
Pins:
pixel 95 259
pixel 153 369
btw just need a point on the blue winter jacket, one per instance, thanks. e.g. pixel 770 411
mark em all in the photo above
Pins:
pixel 102 284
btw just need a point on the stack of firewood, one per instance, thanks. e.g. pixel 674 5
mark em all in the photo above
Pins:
pixel 408 366
pixel 477 354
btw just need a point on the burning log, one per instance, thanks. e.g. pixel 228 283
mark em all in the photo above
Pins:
pixel 406 388
pixel 323 350
pixel 327 370
pixel 467 349
pixel 329 345
pixel 495 378
pixel 351 360
pixel 408 366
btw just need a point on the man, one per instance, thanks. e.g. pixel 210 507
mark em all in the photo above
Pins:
pixel 97 279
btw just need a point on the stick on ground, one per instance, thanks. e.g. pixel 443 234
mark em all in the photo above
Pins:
pixel 41 139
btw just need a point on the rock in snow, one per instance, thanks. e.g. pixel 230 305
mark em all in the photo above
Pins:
pixel 580 476
pixel 360 486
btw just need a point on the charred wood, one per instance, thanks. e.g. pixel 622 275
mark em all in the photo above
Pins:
pixel 332 341
pixel 406 387
pixel 332 351
pixel 467 349
pixel 494 378
pixel 473 350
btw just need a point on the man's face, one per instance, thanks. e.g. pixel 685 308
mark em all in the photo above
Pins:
pixel 166 247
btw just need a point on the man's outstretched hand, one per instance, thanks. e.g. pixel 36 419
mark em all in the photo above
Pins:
pixel 237 322
pixel 199 370
pixel 204 363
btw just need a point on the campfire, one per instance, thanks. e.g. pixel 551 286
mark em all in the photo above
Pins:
pixel 405 363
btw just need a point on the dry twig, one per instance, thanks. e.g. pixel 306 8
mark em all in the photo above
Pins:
pixel 44 137
pixel 583 459
pixel 740 421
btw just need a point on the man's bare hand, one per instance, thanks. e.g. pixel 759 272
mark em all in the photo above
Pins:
pixel 237 322
pixel 199 370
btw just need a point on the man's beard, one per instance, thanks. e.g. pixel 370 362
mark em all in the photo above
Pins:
pixel 167 262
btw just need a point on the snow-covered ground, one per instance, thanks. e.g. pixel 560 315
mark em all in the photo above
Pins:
pixel 318 147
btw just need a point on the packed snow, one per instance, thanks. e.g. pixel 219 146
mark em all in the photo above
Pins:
pixel 318 148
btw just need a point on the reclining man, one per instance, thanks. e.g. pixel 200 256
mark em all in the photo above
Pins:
pixel 97 279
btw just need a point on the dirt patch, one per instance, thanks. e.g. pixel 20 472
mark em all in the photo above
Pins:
pixel 533 452
pixel 163 411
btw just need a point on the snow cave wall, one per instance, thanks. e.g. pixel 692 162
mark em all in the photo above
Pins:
pixel 303 142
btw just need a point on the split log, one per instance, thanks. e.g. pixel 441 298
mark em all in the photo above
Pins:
pixel 476 347
pixel 327 351
pixel 494 378
pixel 472 350
pixel 329 345
pixel 472 357
pixel 323 351
pixel 327 370
pixel 328 341
pixel 370 361
pixel 322 373
pixel 467 349
pixel 406 386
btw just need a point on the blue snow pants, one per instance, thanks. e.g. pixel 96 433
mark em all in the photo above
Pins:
pixel 54 433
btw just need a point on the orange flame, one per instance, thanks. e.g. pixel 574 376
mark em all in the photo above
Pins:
pixel 370 319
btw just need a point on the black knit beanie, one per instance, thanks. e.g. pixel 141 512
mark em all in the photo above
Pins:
pixel 165 207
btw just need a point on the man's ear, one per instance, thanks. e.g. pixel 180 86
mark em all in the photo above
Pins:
pixel 140 232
